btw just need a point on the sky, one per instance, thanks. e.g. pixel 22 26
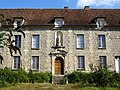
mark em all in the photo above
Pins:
pixel 72 4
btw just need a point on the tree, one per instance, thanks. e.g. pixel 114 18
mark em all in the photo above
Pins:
pixel 6 37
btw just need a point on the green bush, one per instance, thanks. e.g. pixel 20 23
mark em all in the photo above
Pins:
pixel 101 78
pixel 79 77
pixel 39 77
pixel 9 77
pixel 46 77
pixel 23 76
pixel 73 77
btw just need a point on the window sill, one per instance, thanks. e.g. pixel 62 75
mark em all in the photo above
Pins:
pixel 34 48
pixel 80 69
pixel 101 47
pixel 35 70
pixel 80 48
pixel 15 69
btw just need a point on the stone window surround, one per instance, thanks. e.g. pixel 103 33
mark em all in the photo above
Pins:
pixel 80 44
pixel 81 59
pixel 18 41
pixel 103 61
pixel 16 62
pixel 35 65
pixel 101 41
pixel 36 43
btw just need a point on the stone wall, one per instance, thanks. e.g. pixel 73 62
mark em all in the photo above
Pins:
pixel 90 51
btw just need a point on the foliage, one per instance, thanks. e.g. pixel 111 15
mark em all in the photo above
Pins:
pixel 79 77
pixel 100 78
pixel 39 77
pixel 9 77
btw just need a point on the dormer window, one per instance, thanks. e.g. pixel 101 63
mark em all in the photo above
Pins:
pixel 59 22
pixel 18 21
pixel 100 22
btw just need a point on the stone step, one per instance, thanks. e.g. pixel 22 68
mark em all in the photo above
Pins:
pixel 57 79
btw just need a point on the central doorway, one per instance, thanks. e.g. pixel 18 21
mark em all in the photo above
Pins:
pixel 59 66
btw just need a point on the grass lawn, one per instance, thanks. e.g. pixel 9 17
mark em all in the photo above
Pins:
pixel 47 86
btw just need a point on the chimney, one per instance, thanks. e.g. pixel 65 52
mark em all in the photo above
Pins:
pixel 65 7
pixel 87 8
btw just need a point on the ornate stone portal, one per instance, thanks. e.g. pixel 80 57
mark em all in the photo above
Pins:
pixel 58 58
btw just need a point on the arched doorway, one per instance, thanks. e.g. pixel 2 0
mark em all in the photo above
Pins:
pixel 59 66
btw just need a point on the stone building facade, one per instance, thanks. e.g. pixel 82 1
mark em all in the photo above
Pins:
pixel 64 40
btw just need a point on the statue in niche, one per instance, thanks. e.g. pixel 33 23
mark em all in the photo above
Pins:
pixel 59 39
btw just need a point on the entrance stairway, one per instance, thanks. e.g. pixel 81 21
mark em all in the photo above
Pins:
pixel 57 79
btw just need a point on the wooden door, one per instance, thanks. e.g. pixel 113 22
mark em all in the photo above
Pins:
pixel 59 66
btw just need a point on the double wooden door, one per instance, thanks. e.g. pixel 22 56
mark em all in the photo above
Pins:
pixel 59 66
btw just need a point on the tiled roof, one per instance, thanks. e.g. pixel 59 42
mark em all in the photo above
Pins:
pixel 71 16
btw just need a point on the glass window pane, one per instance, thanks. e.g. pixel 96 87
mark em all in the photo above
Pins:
pixel 35 62
pixel 18 41
pixel 103 62
pixel 80 41
pixel 81 64
pixel 101 41
pixel 16 62
pixel 35 41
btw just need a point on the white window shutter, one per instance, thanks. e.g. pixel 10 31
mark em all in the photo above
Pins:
pixel 78 42
pixel 33 42
pixel 117 65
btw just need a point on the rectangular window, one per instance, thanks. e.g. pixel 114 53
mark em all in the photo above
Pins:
pixel 103 61
pixel 35 41
pixel 18 41
pixel 80 41
pixel 101 41
pixel 81 62
pixel 35 62
pixel 16 62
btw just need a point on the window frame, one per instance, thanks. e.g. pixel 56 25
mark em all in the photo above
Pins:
pixel 35 65
pixel 59 22
pixel 80 45
pixel 101 41
pixel 103 61
pixel 16 63
pixel 80 61
pixel 36 43
pixel 100 22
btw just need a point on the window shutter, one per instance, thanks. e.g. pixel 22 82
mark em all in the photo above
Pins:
pixel 33 42
pixel 117 64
